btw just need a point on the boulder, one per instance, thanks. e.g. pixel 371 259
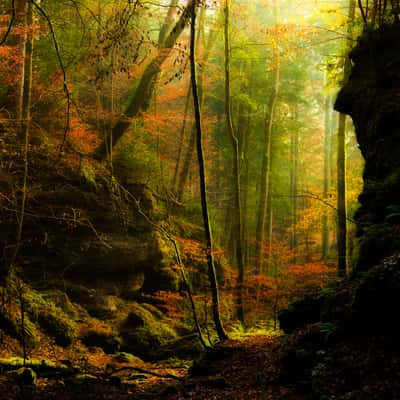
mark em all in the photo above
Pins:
pixel 144 334
pixel 375 306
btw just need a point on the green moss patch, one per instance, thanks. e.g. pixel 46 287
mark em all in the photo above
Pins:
pixel 108 341
pixel 144 334
pixel 52 319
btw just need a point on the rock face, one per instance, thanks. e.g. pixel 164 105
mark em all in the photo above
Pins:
pixel 372 98
pixel 100 237
pixel 90 253
pixel 344 341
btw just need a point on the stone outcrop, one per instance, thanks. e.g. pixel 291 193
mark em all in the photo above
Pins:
pixel 372 98
pixel 343 342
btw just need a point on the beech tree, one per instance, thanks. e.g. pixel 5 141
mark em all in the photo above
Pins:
pixel 341 164
pixel 237 207
pixel 140 100
pixel 204 204
pixel 266 163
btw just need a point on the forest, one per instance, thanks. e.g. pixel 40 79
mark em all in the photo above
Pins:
pixel 199 199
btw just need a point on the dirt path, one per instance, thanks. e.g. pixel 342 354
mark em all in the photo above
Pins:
pixel 247 369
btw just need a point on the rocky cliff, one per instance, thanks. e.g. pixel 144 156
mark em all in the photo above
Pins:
pixel 372 98
pixel 90 254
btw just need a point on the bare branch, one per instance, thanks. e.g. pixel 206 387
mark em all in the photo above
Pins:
pixel 61 64
pixel 10 24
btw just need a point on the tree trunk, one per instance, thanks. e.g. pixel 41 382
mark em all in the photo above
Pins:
pixel 327 176
pixel 266 167
pixel 25 117
pixel 141 98
pixel 294 154
pixel 174 183
pixel 207 228
pixel 169 21
pixel 341 164
pixel 341 198
pixel 183 177
pixel 271 266
pixel 237 207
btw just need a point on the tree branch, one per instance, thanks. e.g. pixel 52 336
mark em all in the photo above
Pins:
pixel 61 64
pixel 10 24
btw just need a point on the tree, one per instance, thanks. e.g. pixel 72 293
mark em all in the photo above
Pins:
pixel 24 115
pixel 294 153
pixel 204 205
pixel 341 164
pixel 237 207
pixel 266 163
pixel 327 174
pixel 144 90
pixel 181 180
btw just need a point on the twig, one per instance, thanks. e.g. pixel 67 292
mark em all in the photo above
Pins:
pixel 82 222
pixel 10 24
pixel 318 198
pixel 360 6
pixel 179 262
pixel 61 64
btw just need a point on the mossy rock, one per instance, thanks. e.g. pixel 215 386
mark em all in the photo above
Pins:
pixel 39 366
pixel 51 319
pixel 79 293
pixel 145 334
pixel 11 325
pixel 61 300
pixel 85 378
pixel 123 357
pixel 301 313
pixel 302 352
pixel 58 326
pixel 185 348
pixel 23 376
pixel 375 305
pixel 103 307
pixel 108 341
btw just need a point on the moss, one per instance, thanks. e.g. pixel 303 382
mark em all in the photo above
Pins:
pixel 10 324
pixel 185 348
pixel 51 319
pixel 144 334
pixel 85 378
pixel 40 366
pixel 57 325
pixel 62 301
pixel 106 340
pixel 124 357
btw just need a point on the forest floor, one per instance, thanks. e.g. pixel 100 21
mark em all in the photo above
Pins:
pixel 238 369
pixel 359 368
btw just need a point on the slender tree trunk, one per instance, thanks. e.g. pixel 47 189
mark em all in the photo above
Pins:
pixel 26 74
pixel 244 128
pixel 271 266
pixel 327 176
pixel 266 167
pixel 16 38
pixel 294 154
pixel 141 98
pixel 183 177
pixel 169 21
pixel 25 118
pixel 341 164
pixel 341 198
pixel 237 207
pixel 207 228
pixel 174 183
